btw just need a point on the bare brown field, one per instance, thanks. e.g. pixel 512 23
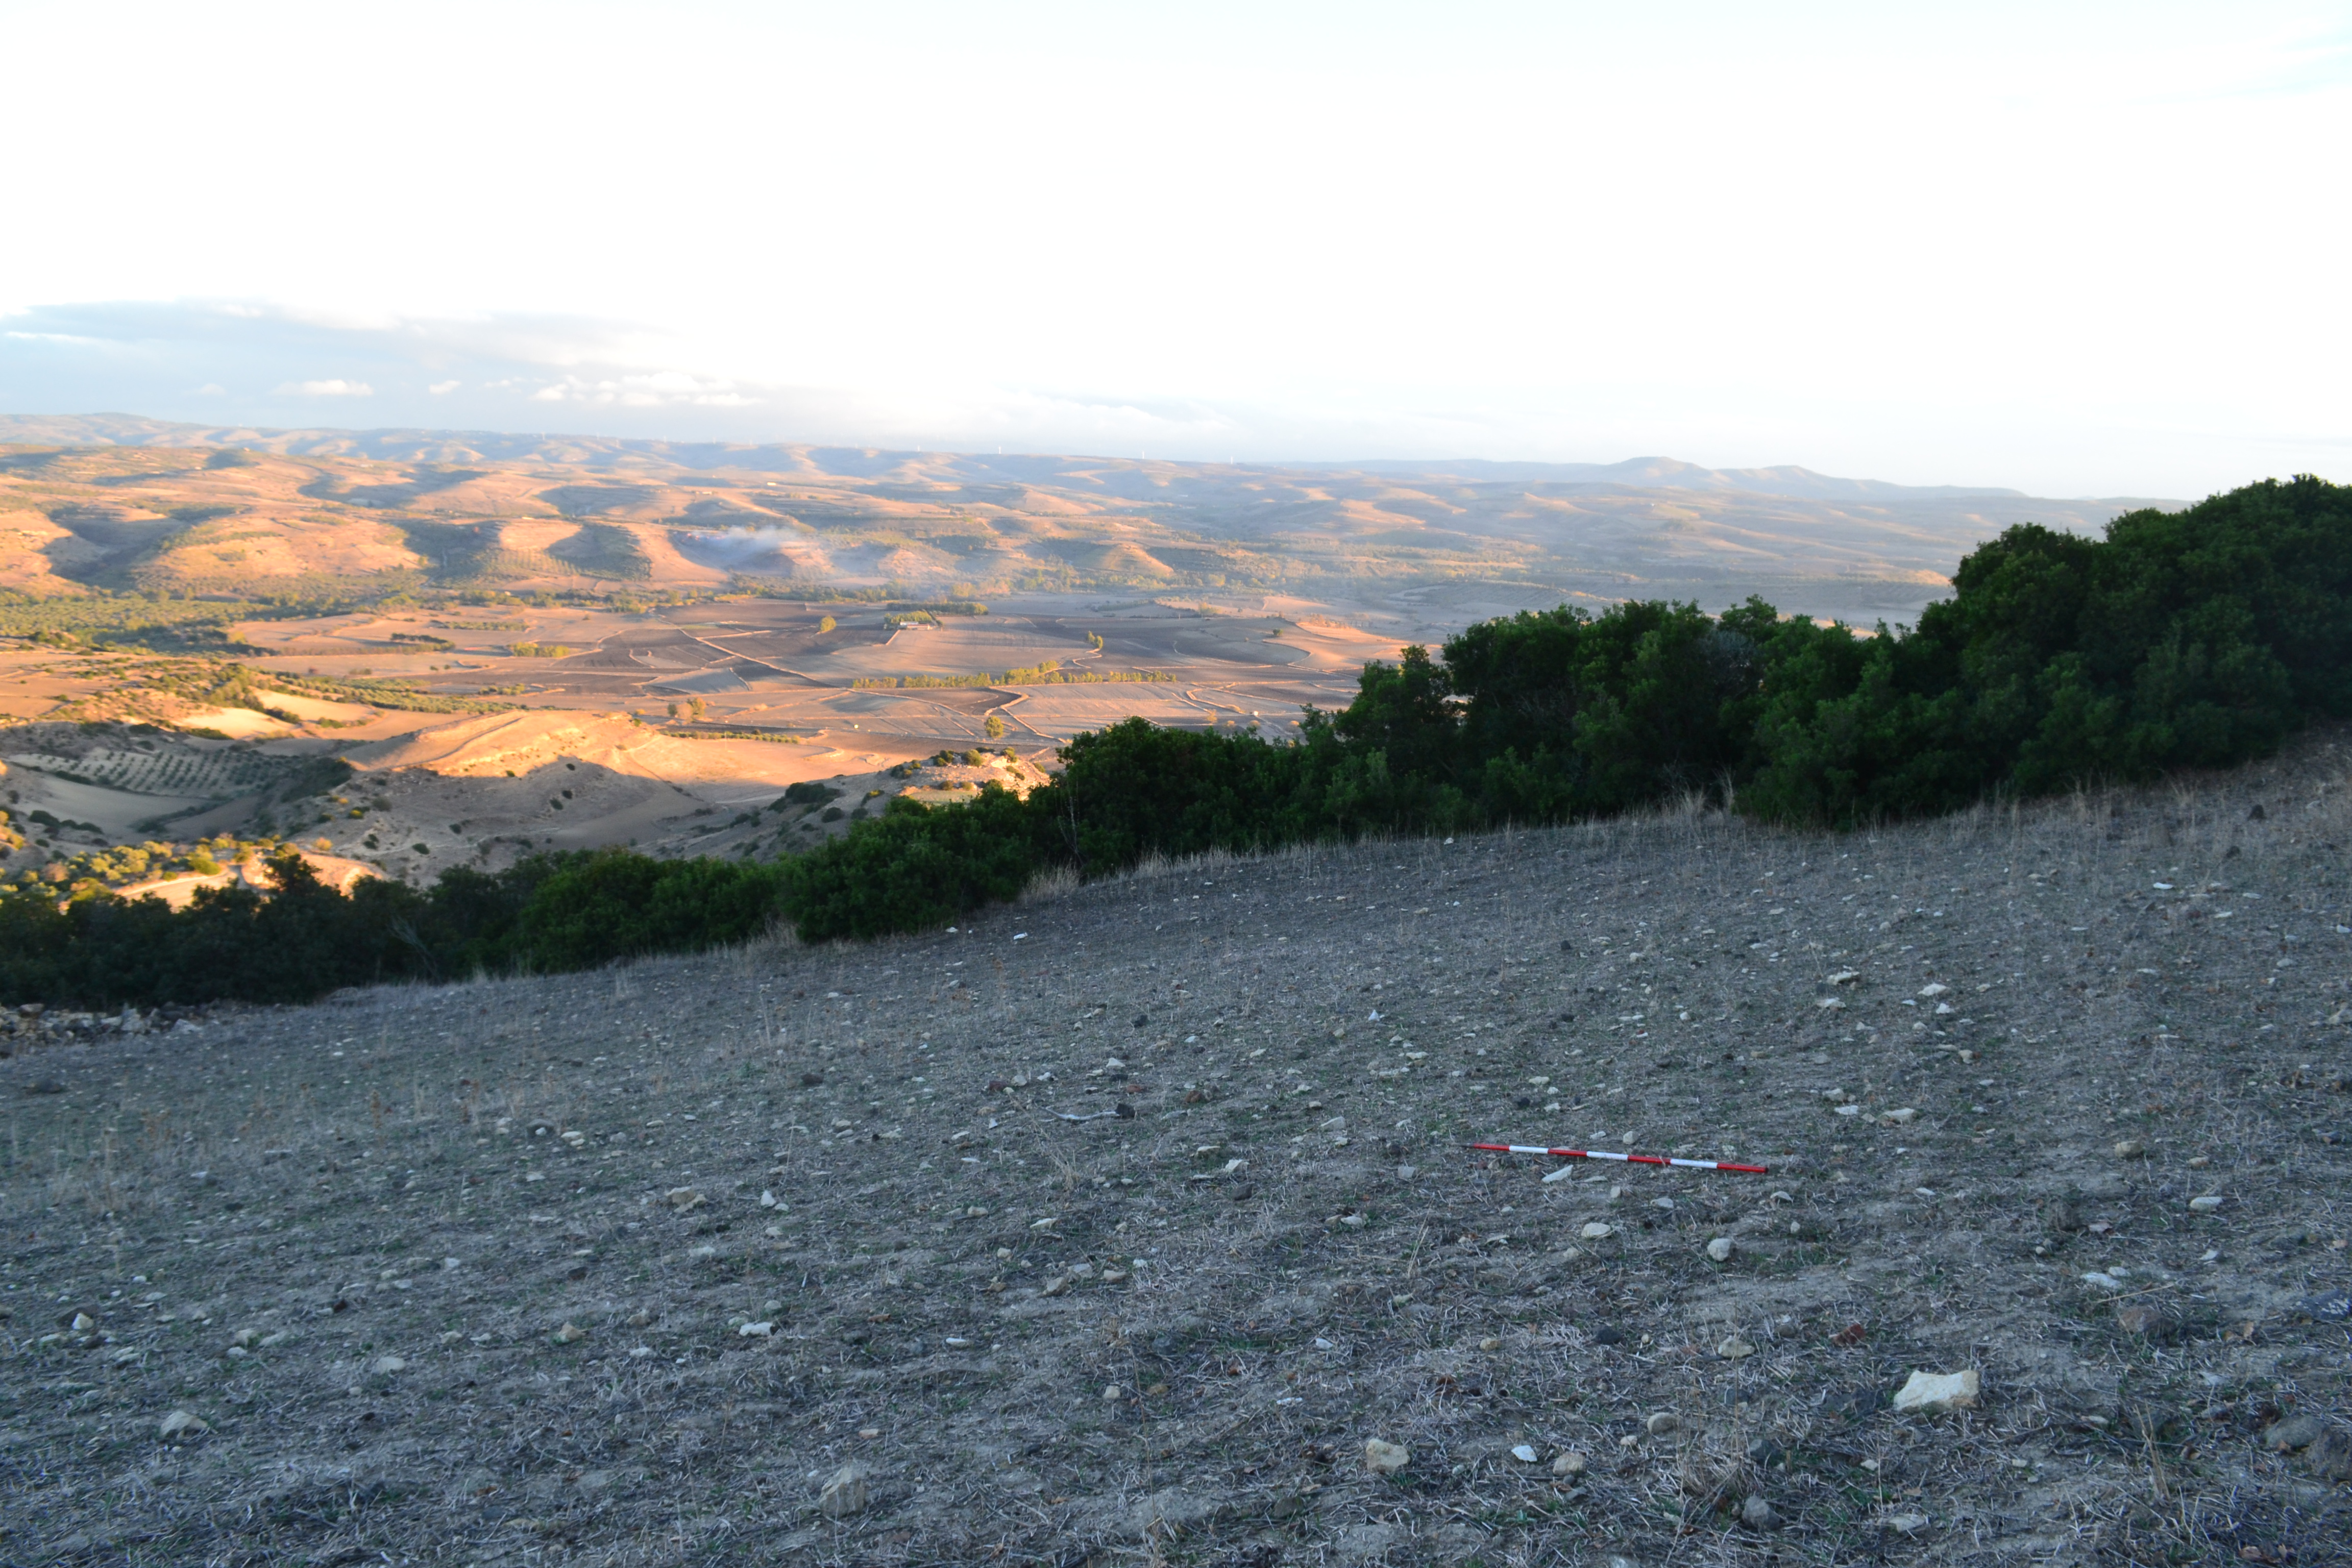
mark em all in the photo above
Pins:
pixel 795 1254
pixel 670 729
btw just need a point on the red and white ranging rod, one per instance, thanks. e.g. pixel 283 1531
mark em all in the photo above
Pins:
pixel 1626 1159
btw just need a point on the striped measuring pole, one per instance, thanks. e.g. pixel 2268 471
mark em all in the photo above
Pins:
pixel 1624 1159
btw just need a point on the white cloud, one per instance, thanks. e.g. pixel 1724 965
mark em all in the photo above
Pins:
pixel 212 389
pixel 442 388
pixel 647 389
pixel 338 387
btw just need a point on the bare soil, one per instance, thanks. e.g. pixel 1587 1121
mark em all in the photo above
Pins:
pixel 492 1248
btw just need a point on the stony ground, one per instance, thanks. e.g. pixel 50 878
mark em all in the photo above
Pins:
pixel 791 1255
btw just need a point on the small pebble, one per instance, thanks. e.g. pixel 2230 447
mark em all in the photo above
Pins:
pixel 1756 1514
pixel 1385 1458
pixel 1661 1424
pixel 1490 1344
pixel 1568 1464
pixel 1734 1348
pixel 1524 1454
pixel 1597 1230
pixel 1720 1249
pixel 2207 1204
pixel 180 1426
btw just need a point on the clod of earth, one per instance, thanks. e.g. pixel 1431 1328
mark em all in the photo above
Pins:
pixel 1385 1458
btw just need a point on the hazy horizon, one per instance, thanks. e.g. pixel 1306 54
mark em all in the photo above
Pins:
pixel 2005 248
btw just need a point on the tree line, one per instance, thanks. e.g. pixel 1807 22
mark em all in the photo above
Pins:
pixel 2192 639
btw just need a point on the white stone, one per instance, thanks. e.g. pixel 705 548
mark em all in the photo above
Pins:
pixel 756 1330
pixel 1935 988
pixel 844 1493
pixel 1735 1348
pixel 1597 1230
pixel 1720 1249
pixel 180 1426
pixel 1900 1117
pixel 1932 1391
pixel 1563 1173
pixel 1568 1464
pixel 1524 1454
pixel 1385 1458
pixel 2207 1204
pixel 1662 1424
pixel 385 1365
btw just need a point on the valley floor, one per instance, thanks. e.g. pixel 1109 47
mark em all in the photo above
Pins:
pixel 795 1254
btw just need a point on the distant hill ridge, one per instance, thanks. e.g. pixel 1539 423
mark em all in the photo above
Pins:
pixel 790 458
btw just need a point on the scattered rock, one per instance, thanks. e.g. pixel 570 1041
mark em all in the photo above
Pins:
pixel 1385 1458
pixel 1057 1284
pixel 2328 1307
pixel 1734 1348
pixel 46 1086
pixel 1756 1514
pixel 1720 1249
pixel 1607 1337
pixel 2330 1455
pixel 1524 1453
pixel 2295 1432
pixel 1597 1230
pixel 683 1198
pixel 2131 1148
pixel 1662 1424
pixel 385 1365
pixel 1929 1392
pixel 2148 1322
pixel 1899 1116
pixel 2064 1214
pixel 2205 1205
pixel 569 1335
pixel 755 1330
pixel 1906 1524
pixel 1490 1344
pixel 180 1426
pixel 1568 1464
pixel 844 1494
pixel 1764 1453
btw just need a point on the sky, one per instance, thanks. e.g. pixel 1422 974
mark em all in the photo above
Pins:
pixel 2076 250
